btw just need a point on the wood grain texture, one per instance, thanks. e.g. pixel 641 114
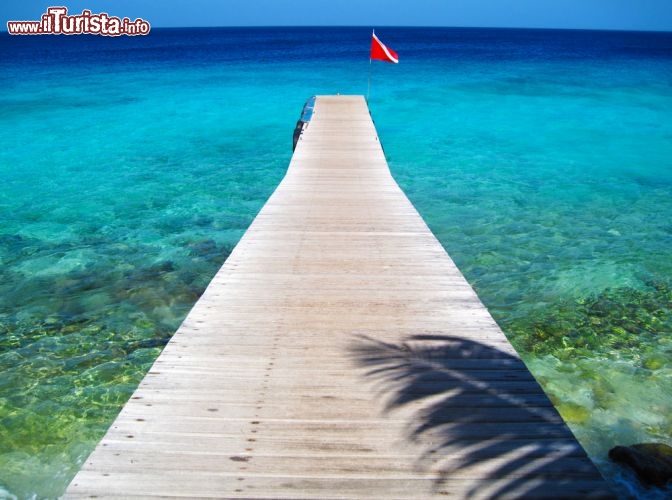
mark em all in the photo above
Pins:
pixel 338 353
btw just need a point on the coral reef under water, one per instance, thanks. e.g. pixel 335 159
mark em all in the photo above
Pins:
pixel 618 323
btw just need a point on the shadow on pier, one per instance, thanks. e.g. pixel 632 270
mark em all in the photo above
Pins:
pixel 478 414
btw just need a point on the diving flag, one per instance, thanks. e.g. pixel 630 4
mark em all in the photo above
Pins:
pixel 382 52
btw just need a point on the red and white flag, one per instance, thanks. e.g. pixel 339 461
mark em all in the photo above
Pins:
pixel 382 52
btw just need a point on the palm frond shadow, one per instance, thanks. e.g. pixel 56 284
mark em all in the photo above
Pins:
pixel 480 417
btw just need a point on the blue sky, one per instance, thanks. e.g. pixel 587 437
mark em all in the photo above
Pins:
pixel 581 14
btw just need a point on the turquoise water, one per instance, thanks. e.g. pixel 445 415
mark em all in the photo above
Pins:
pixel 131 167
pixel 553 197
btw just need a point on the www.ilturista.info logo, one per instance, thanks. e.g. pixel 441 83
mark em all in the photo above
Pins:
pixel 56 21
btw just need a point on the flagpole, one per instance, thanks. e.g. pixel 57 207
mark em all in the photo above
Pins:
pixel 381 52
pixel 368 87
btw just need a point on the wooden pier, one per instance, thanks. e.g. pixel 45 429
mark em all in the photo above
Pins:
pixel 339 353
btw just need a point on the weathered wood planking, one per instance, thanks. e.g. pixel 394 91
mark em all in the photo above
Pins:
pixel 339 353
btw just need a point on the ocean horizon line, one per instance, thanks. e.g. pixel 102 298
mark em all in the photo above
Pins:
pixel 4 30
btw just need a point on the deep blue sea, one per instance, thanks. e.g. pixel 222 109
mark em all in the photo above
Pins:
pixel 130 167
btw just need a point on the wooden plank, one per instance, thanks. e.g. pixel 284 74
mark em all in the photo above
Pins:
pixel 338 353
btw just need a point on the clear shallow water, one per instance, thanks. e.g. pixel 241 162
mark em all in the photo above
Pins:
pixel 131 166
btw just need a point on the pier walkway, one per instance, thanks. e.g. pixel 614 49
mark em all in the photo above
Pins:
pixel 339 353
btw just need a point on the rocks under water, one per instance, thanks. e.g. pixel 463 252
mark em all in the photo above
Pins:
pixel 652 462
pixel 627 321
